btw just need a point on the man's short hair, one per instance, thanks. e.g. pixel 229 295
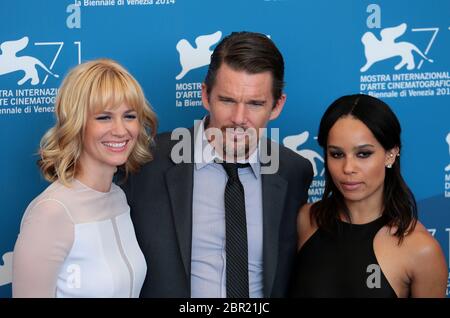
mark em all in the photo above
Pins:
pixel 250 52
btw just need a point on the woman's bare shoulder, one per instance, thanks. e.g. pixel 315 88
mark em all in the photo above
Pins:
pixel 427 267
pixel 420 242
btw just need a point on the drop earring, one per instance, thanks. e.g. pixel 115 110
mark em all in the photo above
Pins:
pixel 389 165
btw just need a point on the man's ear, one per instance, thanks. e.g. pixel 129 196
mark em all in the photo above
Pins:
pixel 205 97
pixel 276 110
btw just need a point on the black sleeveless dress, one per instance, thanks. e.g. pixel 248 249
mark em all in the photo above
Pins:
pixel 341 264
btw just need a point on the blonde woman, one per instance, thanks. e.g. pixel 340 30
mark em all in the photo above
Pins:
pixel 76 238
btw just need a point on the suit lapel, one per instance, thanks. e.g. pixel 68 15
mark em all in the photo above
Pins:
pixel 274 189
pixel 180 185
pixel 179 180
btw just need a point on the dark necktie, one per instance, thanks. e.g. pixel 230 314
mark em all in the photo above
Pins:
pixel 235 234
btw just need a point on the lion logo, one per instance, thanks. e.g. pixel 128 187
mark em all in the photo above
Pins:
pixel 295 141
pixel 376 50
pixel 10 62
pixel 192 58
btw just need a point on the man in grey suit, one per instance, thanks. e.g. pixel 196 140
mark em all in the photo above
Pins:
pixel 180 201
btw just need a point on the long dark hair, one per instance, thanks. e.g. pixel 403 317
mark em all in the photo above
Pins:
pixel 400 207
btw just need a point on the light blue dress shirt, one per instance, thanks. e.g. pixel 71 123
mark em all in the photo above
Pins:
pixel 208 259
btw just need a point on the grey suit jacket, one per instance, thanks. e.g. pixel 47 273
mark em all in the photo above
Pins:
pixel 160 197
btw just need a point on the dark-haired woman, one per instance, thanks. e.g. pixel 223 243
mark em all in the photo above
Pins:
pixel 363 238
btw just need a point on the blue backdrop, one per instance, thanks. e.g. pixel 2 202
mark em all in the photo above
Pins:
pixel 396 50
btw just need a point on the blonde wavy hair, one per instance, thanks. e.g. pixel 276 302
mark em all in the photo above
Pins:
pixel 92 87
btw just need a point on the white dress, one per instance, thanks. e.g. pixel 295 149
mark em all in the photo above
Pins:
pixel 77 242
